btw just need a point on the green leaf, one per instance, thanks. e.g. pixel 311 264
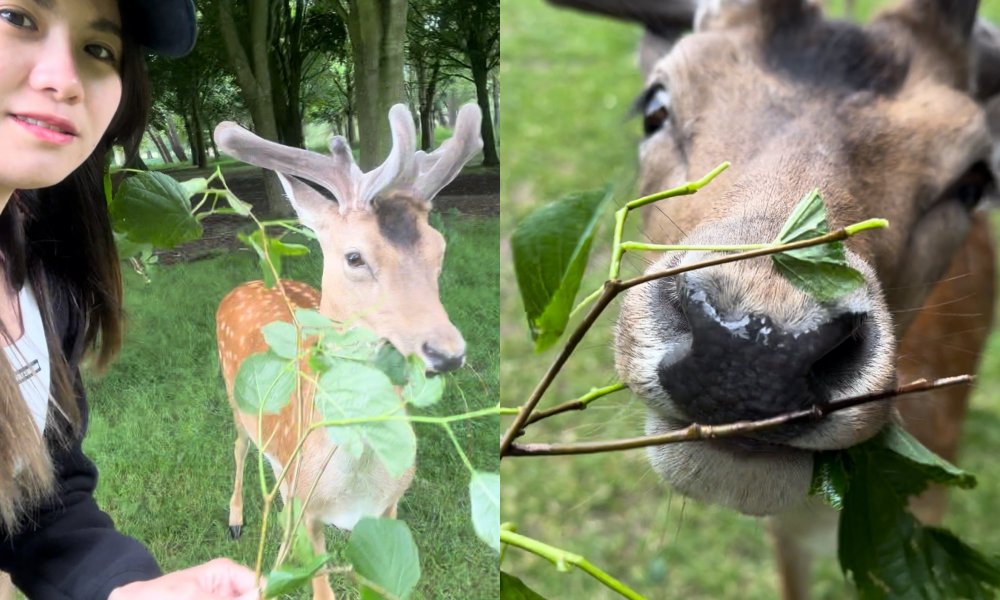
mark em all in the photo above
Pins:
pixel 276 249
pixel 930 466
pixel 264 379
pixel 807 221
pixel 550 249
pixel 153 208
pixel 821 271
pixel 888 553
pixel 512 588
pixel 356 343
pixel 289 578
pixel 193 187
pixel 830 478
pixel 825 282
pixel 281 338
pixel 311 321
pixel 382 551
pixel 484 490
pixel 352 390
pixel 128 249
pixel 391 362
pixel 421 390
pixel 239 207
pixel 302 552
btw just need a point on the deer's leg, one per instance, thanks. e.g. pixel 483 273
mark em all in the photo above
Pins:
pixel 946 339
pixel 800 535
pixel 236 502
pixel 317 534
pixel 6 587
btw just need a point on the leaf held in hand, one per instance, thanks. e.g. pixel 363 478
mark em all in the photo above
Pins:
pixel 550 249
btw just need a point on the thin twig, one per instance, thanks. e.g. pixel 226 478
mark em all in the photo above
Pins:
pixel 697 432
pixel 579 404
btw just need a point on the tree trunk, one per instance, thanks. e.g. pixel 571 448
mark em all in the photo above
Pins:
pixel 197 135
pixel 452 109
pixel 427 84
pixel 377 29
pixel 480 76
pixel 215 149
pixel 175 141
pixel 161 147
pixel 254 78
pixel 496 101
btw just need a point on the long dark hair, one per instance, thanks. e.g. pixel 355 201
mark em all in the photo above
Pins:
pixel 59 241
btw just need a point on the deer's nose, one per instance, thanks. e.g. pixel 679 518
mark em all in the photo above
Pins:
pixel 744 367
pixel 440 361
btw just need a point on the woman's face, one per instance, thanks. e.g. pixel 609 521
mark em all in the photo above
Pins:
pixel 59 86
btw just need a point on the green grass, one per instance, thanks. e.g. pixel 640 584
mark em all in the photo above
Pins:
pixel 568 81
pixel 162 433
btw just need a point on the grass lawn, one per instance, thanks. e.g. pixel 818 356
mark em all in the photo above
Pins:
pixel 162 433
pixel 569 80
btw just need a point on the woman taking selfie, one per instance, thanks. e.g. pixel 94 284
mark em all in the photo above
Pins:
pixel 72 85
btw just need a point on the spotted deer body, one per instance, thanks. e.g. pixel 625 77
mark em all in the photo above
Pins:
pixel 890 119
pixel 381 266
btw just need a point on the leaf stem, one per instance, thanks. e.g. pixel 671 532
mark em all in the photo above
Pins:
pixel 578 404
pixel 563 560
pixel 675 248
pixel 698 432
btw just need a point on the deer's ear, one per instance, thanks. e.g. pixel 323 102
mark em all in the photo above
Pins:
pixel 313 203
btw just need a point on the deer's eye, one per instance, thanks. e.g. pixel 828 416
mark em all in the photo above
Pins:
pixel 655 110
pixel 354 260
pixel 972 186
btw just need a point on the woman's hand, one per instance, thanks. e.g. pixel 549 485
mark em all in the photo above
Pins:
pixel 220 579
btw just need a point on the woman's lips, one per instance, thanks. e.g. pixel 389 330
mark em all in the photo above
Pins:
pixel 47 129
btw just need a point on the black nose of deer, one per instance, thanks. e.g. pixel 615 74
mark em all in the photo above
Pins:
pixel 441 362
pixel 745 367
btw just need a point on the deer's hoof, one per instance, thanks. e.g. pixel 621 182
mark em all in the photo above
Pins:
pixel 234 531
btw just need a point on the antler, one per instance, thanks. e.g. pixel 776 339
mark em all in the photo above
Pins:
pixel 405 171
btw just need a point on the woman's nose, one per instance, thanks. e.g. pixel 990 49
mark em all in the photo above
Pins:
pixel 55 71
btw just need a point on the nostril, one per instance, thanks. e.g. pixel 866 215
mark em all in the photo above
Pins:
pixel 843 357
pixel 442 362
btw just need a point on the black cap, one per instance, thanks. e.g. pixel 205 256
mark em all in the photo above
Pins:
pixel 166 27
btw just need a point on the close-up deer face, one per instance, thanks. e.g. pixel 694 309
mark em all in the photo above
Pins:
pixel 886 120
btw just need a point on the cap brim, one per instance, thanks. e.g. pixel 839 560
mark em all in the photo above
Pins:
pixel 167 27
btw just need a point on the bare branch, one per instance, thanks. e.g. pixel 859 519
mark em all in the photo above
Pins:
pixel 696 432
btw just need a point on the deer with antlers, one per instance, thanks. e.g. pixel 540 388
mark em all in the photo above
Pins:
pixel 381 263
pixel 889 119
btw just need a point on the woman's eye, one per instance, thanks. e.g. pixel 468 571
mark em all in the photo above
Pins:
pixel 656 111
pixel 101 53
pixel 354 260
pixel 17 19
